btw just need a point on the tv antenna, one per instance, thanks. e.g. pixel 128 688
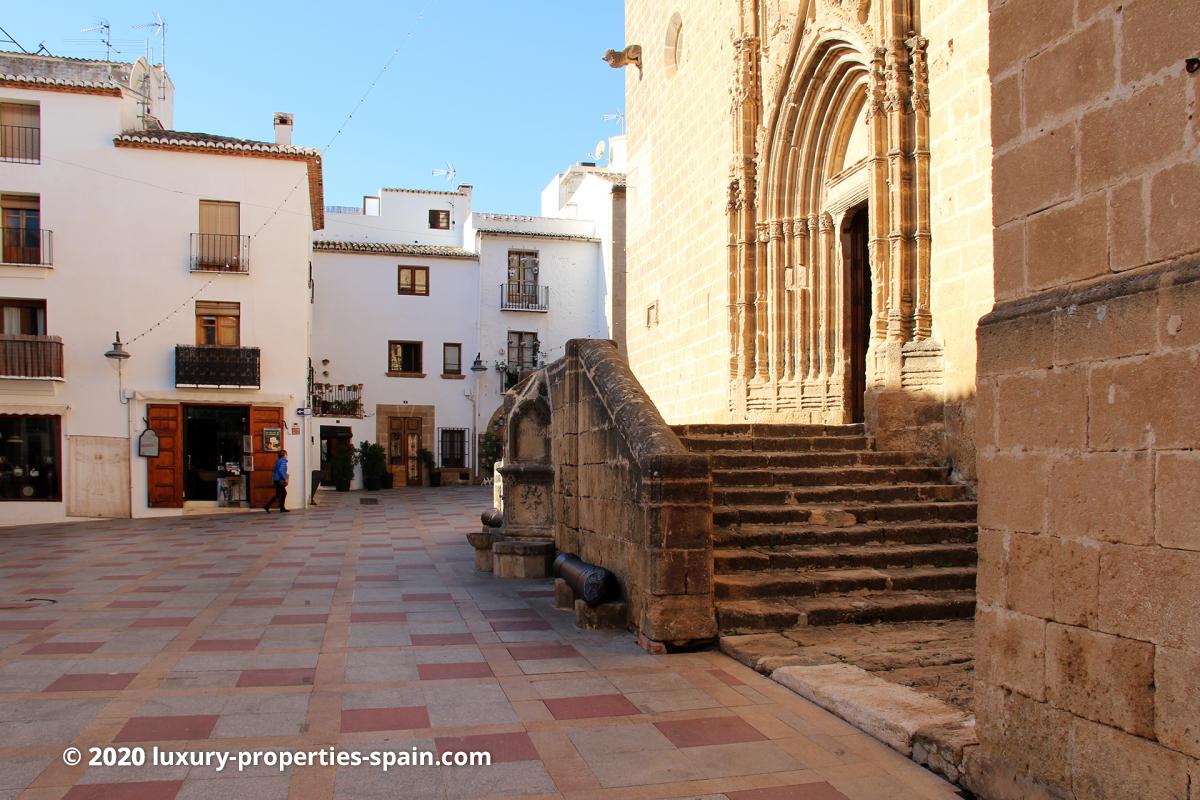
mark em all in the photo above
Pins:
pixel 10 40
pixel 105 30
pixel 450 172
pixel 160 29
pixel 617 117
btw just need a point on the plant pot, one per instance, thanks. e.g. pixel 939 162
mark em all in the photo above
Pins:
pixel 388 481
pixel 372 483
pixel 435 478
pixel 342 486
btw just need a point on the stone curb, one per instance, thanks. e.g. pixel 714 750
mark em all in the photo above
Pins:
pixel 930 732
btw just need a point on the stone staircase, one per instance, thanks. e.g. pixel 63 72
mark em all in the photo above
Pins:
pixel 814 526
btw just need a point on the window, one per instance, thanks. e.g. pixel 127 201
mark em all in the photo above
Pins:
pixel 404 359
pixel 522 349
pixel 220 240
pixel 27 317
pixel 22 236
pixel 20 133
pixel 451 359
pixel 29 458
pixel 439 220
pixel 218 324
pixel 452 447
pixel 522 267
pixel 413 280
pixel 652 314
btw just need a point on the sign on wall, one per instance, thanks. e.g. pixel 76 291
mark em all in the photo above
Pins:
pixel 272 440
pixel 148 444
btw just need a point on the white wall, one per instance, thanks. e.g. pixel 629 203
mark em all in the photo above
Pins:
pixel 357 310
pixel 122 220
pixel 403 219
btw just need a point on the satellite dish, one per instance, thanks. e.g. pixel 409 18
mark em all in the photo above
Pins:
pixel 600 146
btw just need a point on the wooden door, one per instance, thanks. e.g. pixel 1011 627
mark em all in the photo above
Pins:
pixel 404 446
pixel 262 484
pixel 164 472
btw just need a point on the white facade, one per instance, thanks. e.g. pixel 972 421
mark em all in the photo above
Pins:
pixel 122 199
pixel 359 309
pixel 497 283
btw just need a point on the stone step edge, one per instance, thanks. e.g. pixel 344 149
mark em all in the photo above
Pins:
pixel 932 733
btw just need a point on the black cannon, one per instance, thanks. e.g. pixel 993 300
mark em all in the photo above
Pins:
pixel 492 518
pixel 594 585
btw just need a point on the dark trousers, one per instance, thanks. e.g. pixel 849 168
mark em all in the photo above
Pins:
pixel 280 495
pixel 315 478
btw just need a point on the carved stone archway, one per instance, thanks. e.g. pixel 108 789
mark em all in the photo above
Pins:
pixel 845 121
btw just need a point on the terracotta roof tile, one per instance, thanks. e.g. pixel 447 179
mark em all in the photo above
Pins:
pixel 392 248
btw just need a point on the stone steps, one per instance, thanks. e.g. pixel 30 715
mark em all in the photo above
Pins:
pixel 842 580
pixel 774 444
pixel 775 535
pixel 830 475
pixel 793 558
pixel 747 616
pixel 818 459
pixel 754 429
pixel 846 513
pixel 749 496
pixel 813 526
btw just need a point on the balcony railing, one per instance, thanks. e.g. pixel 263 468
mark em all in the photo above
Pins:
pixel 220 252
pixel 37 357
pixel 209 366
pixel 20 144
pixel 337 400
pixel 27 246
pixel 524 297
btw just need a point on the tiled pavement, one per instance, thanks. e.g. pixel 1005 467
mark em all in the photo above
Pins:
pixel 364 627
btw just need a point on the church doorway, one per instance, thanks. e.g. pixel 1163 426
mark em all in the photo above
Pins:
pixel 857 263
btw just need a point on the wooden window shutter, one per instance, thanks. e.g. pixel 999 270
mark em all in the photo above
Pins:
pixel 164 472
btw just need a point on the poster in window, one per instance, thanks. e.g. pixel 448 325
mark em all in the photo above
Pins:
pixel 272 440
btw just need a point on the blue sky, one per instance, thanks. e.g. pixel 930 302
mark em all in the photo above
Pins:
pixel 509 91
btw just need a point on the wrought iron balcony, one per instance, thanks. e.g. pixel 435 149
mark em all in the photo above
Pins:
pixel 21 144
pixel 27 246
pixel 36 357
pixel 212 367
pixel 220 252
pixel 337 400
pixel 524 297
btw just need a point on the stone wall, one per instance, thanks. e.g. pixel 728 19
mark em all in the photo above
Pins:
pixel 629 497
pixel 1089 614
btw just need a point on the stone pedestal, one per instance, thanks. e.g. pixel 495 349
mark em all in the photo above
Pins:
pixel 522 558
pixel 606 616
pixel 483 542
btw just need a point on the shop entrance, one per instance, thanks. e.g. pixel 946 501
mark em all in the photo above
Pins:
pixel 214 439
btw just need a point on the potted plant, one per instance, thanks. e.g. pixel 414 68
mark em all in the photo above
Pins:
pixel 341 468
pixel 490 449
pixel 372 458
pixel 435 477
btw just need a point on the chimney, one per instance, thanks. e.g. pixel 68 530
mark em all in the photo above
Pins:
pixel 283 127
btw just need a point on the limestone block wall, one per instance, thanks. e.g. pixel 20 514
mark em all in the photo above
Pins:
pixel 628 497
pixel 680 143
pixel 960 182
pixel 1089 615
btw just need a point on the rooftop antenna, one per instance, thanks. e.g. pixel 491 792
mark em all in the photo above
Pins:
pixel 8 38
pixel 160 29
pixel 617 117
pixel 450 172
pixel 105 31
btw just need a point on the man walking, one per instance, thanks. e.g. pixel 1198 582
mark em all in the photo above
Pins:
pixel 281 481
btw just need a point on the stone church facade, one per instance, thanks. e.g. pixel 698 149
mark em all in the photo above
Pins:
pixel 810 213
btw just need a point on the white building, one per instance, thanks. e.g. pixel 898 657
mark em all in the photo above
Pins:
pixel 195 247
pixel 395 330
pixel 425 312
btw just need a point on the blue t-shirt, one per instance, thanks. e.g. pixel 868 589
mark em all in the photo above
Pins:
pixel 281 469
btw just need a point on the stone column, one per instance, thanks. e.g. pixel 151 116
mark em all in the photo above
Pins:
pixel 525 547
